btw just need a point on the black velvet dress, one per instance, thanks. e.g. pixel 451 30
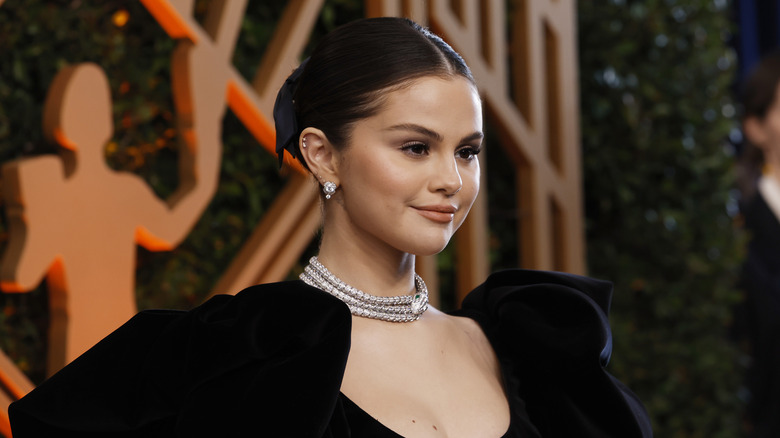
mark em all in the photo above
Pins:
pixel 759 318
pixel 269 362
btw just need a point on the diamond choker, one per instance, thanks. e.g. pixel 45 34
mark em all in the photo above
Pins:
pixel 403 308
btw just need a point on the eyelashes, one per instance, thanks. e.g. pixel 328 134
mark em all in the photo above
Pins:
pixel 415 148
pixel 420 149
pixel 468 152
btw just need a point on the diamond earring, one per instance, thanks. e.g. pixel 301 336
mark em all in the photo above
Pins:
pixel 329 189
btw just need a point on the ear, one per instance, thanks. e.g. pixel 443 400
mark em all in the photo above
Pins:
pixel 319 154
pixel 754 131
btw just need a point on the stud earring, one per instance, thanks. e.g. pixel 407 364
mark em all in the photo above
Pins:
pixel 329 189
pixel 304 142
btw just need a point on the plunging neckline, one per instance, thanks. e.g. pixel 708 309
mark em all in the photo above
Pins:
pixel 390 432
pixel 517 413
pixel 387 432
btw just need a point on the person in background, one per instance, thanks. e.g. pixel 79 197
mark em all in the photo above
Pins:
pixel 758 320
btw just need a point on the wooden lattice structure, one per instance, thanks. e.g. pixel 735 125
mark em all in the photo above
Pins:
pixel 523 56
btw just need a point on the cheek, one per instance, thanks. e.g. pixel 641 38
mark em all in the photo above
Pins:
pixel 471 180
pixel 385 178
pixel 468 193
pixel 377 181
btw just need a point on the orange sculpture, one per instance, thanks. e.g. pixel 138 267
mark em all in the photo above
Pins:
pixel 53 198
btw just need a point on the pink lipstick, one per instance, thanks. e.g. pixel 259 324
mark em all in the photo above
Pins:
pixel 438 213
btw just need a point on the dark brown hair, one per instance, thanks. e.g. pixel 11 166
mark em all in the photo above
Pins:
pixel 758 95
pixel 758 92
pixel 346 76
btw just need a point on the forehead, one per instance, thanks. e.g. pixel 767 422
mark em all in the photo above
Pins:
pixel 445 104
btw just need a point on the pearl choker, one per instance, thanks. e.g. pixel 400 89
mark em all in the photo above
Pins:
pixel 403 308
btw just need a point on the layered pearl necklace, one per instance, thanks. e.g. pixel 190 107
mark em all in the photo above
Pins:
pixel 403 308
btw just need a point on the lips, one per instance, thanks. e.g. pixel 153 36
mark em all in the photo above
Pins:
pixel 438 213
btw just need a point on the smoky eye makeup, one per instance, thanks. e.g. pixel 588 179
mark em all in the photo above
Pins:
pixel 415 148
pixel 468 152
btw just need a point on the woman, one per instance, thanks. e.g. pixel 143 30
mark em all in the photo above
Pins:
pixel 758 320
pixel 387 118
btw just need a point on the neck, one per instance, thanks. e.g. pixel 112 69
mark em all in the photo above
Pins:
pixel 366 263
pixel 772 170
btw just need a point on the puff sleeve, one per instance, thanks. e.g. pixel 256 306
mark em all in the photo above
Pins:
pixel 235 366
pixel 553 330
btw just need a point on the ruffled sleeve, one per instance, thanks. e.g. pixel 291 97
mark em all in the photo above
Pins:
pixel 235 366
pixel 552 329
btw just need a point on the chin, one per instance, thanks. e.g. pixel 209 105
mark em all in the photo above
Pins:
pixel 429 248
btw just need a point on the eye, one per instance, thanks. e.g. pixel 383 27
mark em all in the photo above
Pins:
pixel 467 153
pixel 415 148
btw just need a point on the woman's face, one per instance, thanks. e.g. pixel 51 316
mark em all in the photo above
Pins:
pixel 765 133
pixel 410 173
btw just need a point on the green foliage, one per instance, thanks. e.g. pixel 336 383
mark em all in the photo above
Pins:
pixel 656 111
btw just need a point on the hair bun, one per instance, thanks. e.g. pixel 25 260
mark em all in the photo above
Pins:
pixel 285 118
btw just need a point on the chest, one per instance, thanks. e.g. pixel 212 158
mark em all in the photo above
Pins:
pixel 443 383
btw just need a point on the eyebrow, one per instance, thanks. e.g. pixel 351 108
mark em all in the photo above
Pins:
pixel 478 135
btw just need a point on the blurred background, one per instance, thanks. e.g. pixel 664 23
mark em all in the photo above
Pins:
pixel 660 136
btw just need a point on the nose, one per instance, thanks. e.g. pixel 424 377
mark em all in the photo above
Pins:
pixel 447 178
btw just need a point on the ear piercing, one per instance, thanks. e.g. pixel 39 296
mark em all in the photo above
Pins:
pixel 304 142
pixel 329 189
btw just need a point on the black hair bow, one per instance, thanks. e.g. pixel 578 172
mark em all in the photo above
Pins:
pixel 285 119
